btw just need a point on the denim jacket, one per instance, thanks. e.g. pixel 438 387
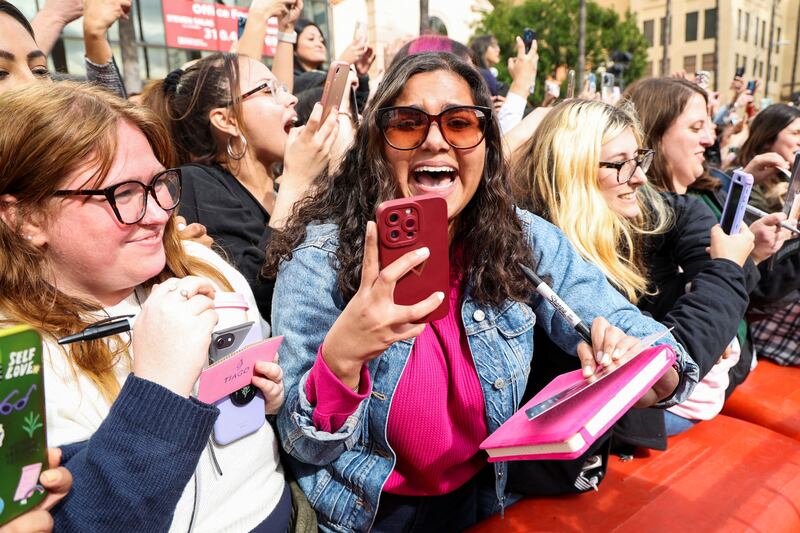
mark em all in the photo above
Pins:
pixel 343 473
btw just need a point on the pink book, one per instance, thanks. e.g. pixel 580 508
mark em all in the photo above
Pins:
pixel 568 429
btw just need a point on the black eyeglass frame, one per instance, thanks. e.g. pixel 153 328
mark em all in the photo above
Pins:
pixel 642 155
pixel 435 118
pixel 108 193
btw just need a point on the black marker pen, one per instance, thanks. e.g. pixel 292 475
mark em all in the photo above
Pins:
pixel 112 326
pixel 548 294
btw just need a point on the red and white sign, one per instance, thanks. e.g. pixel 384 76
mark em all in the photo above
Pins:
pixel 205 26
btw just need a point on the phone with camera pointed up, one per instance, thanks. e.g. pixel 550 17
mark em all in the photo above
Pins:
pixel 528 36
pixel 407 224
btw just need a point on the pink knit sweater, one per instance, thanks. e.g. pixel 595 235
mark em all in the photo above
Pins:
pixel 437 416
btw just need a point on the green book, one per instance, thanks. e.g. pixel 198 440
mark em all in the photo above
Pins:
pixel 23 443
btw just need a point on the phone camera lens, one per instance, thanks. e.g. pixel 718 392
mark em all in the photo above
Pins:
pixel 220 343
pixel 410 234
pixel 409 223
pixel 393 218
pixel 394 234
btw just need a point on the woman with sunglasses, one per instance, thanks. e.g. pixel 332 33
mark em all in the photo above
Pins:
pixel 650 246
pixel 232 124
pixel 87 232
pixel 384 416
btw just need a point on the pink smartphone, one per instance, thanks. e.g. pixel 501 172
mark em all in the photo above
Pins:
pixel 407 224
pixel 335 85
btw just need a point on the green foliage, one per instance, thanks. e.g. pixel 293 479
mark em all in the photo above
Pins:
pixel 556 24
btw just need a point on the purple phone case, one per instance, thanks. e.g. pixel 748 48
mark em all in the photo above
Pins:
pixel 237 421
pixel 734 208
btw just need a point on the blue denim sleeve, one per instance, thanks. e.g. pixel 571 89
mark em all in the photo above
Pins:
pixel 585 289
pixel 305 305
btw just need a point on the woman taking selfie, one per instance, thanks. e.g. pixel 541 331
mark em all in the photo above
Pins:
pixel 384 416
pixel 650 246
pixel 86 232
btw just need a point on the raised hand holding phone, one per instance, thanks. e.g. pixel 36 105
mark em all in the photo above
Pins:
pixel 736 247
pixel 371 320
pixel 522 68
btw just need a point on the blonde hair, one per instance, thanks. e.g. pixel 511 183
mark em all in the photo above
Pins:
pixel 47 131
pixel 555 174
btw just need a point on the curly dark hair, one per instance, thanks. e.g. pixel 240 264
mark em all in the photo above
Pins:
pixel 488 230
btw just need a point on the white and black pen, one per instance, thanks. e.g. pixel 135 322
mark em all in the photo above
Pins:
pixel 759 213
pixel 548 294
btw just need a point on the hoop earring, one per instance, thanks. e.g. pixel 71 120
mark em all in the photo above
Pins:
pixel 229 149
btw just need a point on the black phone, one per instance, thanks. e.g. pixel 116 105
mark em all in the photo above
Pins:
pixel 241 24
pixel 751 86
pixel 528 36
pixel 739 72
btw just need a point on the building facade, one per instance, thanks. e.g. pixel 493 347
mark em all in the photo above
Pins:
pixel 156 60
pixel 720 35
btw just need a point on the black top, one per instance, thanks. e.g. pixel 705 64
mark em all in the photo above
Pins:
pixel 236 221
pixel 705 319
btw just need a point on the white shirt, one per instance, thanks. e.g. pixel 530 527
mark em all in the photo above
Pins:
pixel 252 480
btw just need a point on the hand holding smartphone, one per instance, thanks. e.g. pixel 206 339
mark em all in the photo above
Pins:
pixel 407 224
pixel 335 86
pixel 736 201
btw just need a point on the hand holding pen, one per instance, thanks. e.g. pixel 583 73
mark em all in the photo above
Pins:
pixel 602 346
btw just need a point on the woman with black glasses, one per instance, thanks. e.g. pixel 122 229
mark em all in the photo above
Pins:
pixel 663 252
pixel 86 232
pixel 384 416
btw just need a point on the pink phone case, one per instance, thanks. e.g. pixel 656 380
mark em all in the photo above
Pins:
pixel 235 371
pixel 407 224
pixel 227 385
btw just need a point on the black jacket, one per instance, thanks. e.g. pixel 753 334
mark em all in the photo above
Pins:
pixel 236 221
pixel 704 319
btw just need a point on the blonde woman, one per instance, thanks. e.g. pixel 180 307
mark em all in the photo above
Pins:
pixel 87 232
pixel 584 170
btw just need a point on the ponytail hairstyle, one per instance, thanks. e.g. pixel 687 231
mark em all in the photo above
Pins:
pixel 184 100
pixel 555 174
pixel 49 131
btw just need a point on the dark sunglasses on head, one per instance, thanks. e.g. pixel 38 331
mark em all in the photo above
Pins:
pixel 406 128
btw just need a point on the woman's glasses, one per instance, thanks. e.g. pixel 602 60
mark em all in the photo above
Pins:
pixel 626 169
pixel 406 128
pixel 278 91
pixel 129 198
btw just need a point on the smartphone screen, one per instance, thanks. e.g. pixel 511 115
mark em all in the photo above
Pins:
pixel 729 216
pixel 241 24
pixel 735 203
pixel 739 72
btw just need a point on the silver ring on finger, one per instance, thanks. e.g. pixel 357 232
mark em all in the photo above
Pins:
pixel 185 294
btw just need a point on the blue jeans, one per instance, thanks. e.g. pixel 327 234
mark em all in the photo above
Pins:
pixel 455 511
pixel 677 424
